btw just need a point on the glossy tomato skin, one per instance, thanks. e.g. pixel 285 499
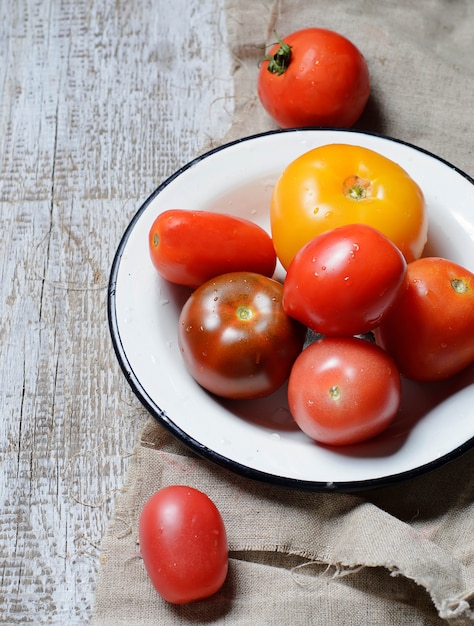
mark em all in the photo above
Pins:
pixel 344 391
pixel 344 281
pixel 183 543
pixel 235 338
pixel 326 82
pixel 430 330
pixel 339 184
pixel 190 247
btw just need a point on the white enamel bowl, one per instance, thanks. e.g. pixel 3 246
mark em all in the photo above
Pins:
pixel 258 439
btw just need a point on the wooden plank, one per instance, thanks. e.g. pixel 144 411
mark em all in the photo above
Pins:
pixel 100 102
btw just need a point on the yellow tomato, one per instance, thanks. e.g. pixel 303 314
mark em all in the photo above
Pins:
pixel 339 184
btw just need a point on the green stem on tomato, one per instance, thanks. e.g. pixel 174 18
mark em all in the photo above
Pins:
pixel 278 63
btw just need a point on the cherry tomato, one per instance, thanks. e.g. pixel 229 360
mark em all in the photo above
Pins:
pixel 190 247
pixel 314 77
pixel 339 184
pixel 430 329
pixel 183 543
pixel 344 281
pixel 343 390
pixel 235 338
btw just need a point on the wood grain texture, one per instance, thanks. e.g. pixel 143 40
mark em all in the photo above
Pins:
pixel 100 102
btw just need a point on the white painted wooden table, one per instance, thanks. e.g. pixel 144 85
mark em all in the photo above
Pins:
pixel 100 101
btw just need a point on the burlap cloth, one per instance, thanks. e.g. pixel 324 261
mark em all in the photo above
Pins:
pixel 398 555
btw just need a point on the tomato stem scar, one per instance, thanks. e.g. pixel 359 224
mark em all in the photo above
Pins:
pixel 356 188
pixel 460 285
pixel 244 312
pixel 156 240
pixel 335 392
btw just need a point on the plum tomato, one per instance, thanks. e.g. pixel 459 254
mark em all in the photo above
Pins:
pixel 183 543
pixel 314 77
pixel 343 390
pixel 430 330
pixel 338 184
pixel 235 338
pixel 344 281
pixel 191 247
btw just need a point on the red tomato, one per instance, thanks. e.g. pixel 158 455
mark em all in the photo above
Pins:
pixel 343 390
pixel 235 338
pixel 314 77
pixel 183 543
pixel 344 281
pixel 190 247
pixel 430 330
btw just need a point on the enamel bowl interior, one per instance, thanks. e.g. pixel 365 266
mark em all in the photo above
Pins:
pixel 259 438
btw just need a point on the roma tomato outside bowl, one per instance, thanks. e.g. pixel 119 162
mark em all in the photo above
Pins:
pixel 258 438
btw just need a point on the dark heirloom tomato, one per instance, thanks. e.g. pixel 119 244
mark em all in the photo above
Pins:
pixel 430 330
pixel 190 247
pixel 344 281
pixel 343 390
pixel 235 338
pixel 183 543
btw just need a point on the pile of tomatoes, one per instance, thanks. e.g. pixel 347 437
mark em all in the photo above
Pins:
pixel 357 309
